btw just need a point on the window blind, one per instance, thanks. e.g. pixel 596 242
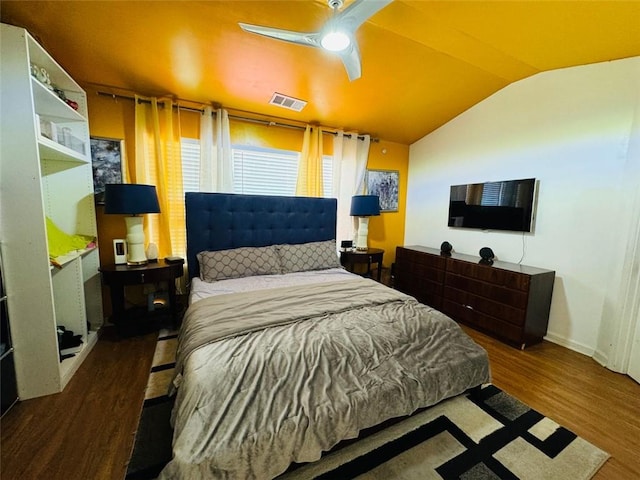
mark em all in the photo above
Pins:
pixel 256 170
pixel 190 164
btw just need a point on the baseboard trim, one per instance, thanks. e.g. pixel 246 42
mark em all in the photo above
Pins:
pixel 570 344
pixel 600 357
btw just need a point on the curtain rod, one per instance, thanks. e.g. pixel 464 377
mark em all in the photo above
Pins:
pixel 331 130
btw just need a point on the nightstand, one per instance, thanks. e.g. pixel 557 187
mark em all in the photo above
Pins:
pixel 371 255
pixel 117 276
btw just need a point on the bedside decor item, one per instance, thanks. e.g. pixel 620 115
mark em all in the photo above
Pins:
pixel 174 260
pixel 119 251
pixel 487 255
pixel 384 184
pixel 364 206
pixel 152 252
pixel 107 164
pixel 133 200
pixel 445 248
pixel 346 245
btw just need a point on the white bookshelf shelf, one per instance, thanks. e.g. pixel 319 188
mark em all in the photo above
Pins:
pixel 50 150
pixel 63 260
pixel 52 107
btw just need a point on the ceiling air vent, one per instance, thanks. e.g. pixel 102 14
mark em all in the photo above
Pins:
pixel 287 102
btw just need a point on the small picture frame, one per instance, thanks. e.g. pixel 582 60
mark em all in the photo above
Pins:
pixel 384 184
pixel 119 251
pixel 107 163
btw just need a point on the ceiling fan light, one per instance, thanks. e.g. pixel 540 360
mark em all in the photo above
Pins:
pixel 335 41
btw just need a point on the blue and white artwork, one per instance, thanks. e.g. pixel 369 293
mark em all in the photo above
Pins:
pixel 384 183
pixel 106 160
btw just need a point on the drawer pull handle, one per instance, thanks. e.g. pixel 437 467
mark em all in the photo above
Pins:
pixel 468 306
pixel 142 278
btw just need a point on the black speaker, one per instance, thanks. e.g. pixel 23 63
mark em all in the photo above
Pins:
pixel 445 248
pixel 487 255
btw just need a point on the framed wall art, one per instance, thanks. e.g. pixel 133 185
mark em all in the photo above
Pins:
pixel 106 161
pixel 384 183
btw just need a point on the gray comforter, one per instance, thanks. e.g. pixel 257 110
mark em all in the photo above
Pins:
pixel 281 375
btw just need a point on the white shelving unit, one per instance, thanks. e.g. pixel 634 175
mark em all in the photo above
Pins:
pixel 39 178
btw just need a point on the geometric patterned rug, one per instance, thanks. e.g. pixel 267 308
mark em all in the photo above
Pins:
pixel 486 434
pixel 152 446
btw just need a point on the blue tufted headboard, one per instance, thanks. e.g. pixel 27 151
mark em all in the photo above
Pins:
pixel 219 221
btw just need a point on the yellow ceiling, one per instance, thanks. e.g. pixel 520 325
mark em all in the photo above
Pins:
pixel 423 62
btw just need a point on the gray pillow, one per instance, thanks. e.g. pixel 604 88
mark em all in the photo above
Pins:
pixel 238 262
pixel 308 256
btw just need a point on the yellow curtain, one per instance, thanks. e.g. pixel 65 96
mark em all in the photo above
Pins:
pixel 158 162
pixel 309 182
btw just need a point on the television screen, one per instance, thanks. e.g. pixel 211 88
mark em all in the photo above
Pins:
pixel 506 205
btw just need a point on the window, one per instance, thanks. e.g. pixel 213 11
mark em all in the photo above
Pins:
pixel 256 170
pixel 190 164
pixel 260 171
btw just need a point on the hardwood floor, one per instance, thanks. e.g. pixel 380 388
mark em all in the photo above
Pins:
pixel 574 390
pixel 87 431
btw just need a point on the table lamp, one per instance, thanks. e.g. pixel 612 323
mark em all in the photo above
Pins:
pixel 364 206
pixel 133 200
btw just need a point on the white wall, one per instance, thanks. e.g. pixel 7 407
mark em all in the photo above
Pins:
pixel 571 130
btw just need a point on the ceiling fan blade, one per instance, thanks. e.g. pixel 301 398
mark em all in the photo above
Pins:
pixel 359 12
pixel 300 38
pixel 351 60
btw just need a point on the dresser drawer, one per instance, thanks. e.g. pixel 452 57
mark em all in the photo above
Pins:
pixel 489 274
pixel 420 258
pixel 419 270
pixel 486 323
pixel 500 311
pixel 496 293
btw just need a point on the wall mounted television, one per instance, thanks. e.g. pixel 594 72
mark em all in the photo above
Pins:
pixel 506 205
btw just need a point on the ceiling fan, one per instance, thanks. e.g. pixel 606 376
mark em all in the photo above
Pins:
pixel 337 35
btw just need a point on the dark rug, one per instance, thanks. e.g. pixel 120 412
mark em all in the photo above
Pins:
pixel 485 434
pixel 152 447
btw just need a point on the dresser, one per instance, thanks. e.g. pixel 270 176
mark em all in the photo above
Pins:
pixel 508 301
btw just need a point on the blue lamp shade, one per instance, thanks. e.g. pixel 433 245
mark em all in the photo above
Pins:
pixel 130 198
pixel 365 205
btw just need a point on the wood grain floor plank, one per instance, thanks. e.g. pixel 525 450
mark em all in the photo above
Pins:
pixel 87 431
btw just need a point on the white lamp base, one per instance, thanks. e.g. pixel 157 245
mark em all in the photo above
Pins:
pixel 135 241
pixel 363 233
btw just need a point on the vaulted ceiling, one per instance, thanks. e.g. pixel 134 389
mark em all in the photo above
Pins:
pixel 423 62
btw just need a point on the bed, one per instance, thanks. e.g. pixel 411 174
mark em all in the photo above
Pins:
pixel 283 354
